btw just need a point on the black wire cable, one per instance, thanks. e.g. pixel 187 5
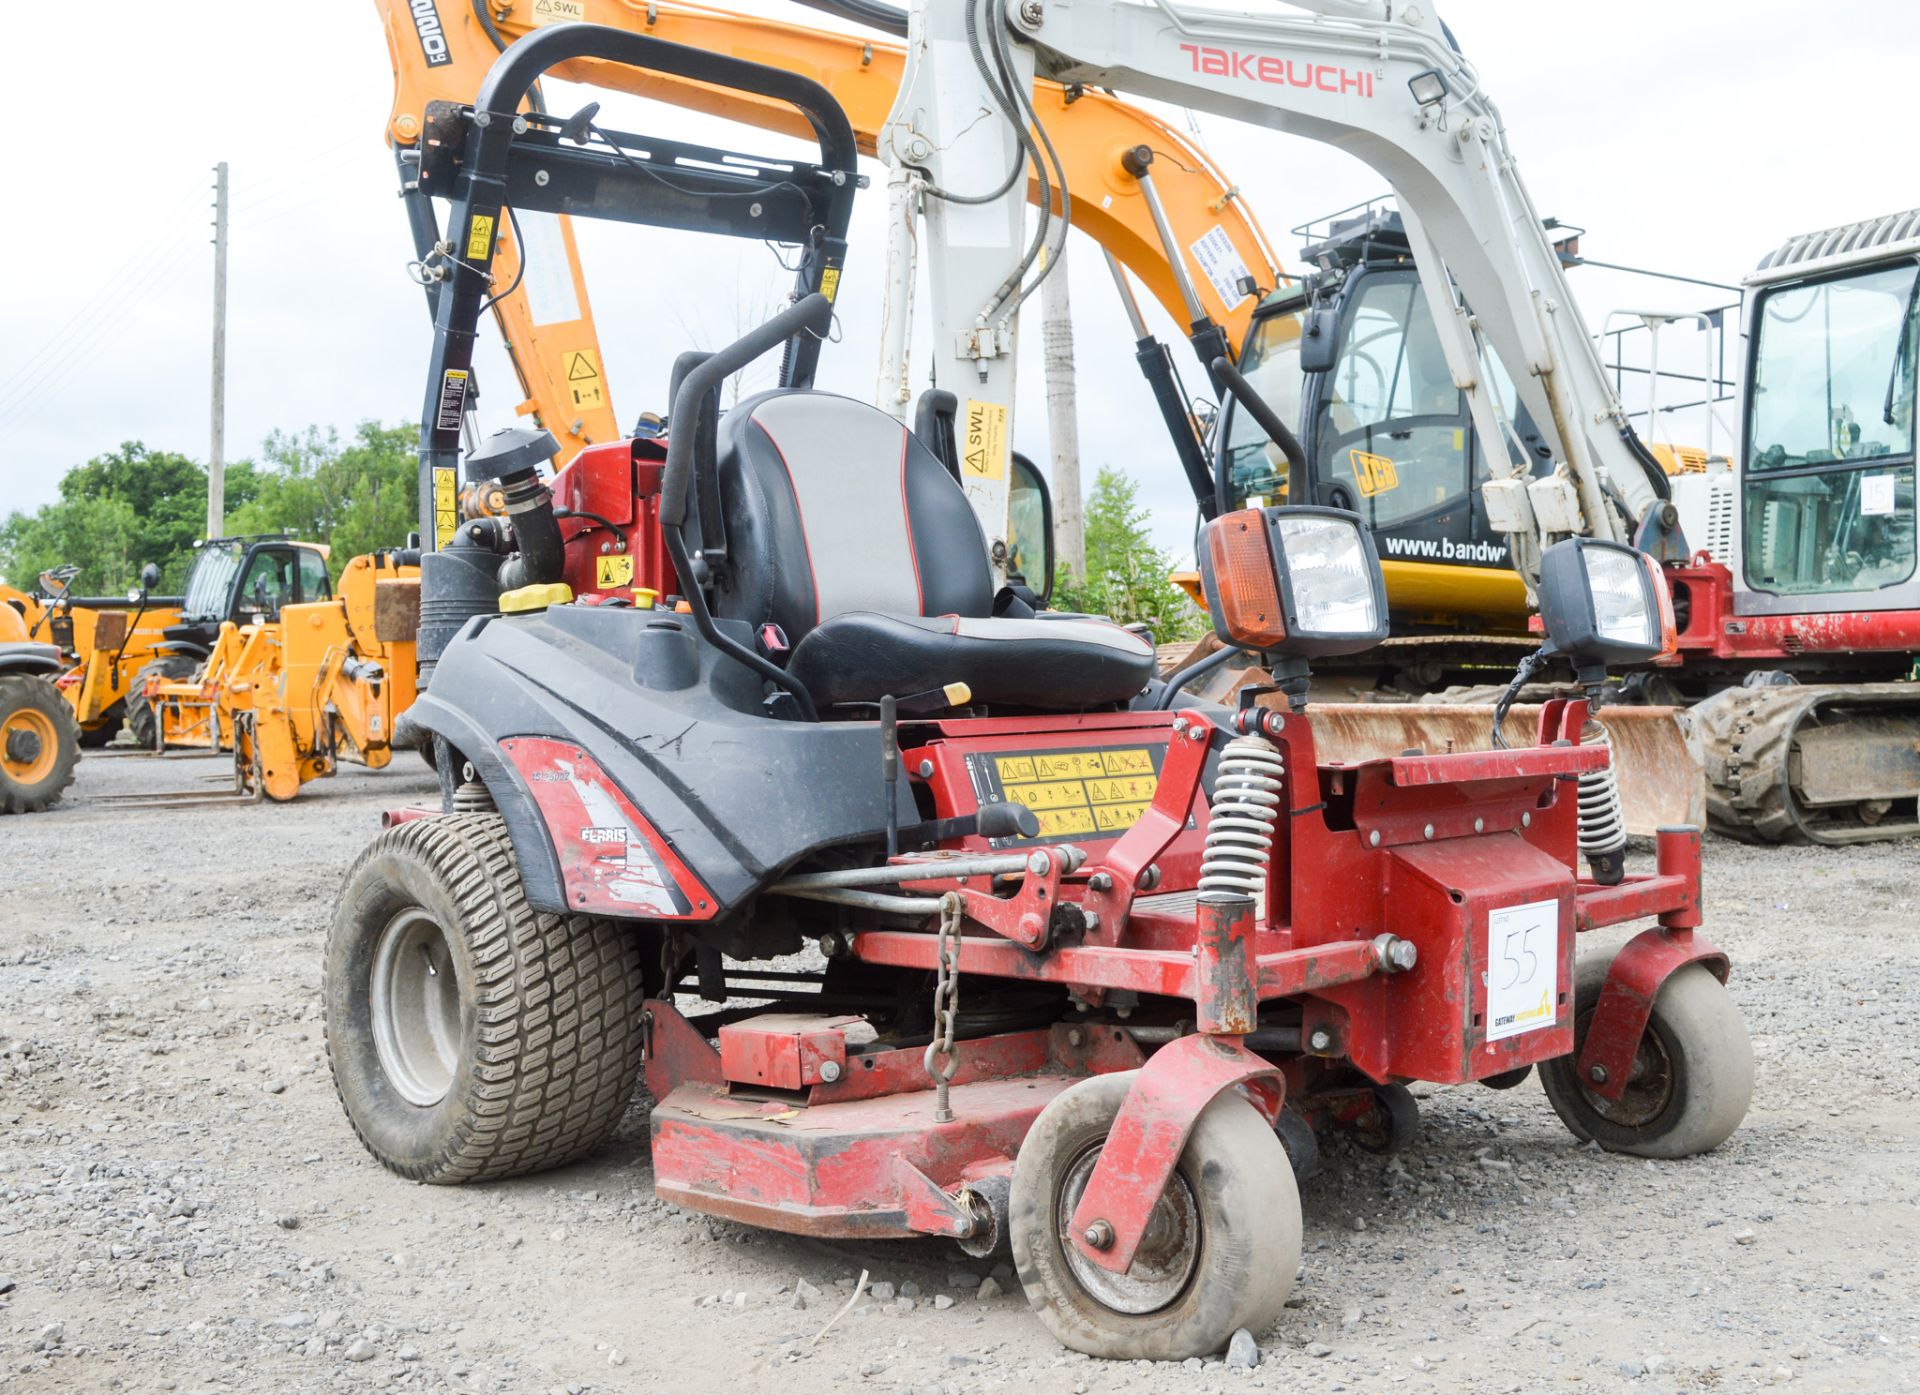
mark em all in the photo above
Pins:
pixel 519 272
pixel 1529 665
pixel 604 522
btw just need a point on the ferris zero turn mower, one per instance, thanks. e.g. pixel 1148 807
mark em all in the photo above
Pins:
pixel 1087 951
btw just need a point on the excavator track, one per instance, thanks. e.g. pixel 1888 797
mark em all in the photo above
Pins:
pixel 1821 763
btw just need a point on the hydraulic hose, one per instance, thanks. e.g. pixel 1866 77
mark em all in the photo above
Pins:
pixel 541 555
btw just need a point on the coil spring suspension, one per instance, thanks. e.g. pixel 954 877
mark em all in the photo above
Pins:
pixel 1603 827
pixel 1246 802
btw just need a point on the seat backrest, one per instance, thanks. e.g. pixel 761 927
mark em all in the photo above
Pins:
pixel 831 505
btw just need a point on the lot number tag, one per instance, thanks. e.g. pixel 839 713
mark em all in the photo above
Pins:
pixel 1523 968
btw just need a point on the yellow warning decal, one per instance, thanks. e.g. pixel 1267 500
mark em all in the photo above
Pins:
pixel 830 282
pixel 446 505
pixel 1074 793
pixel 983 446
pixel 613 570
pixel 480 237
pixel 580 370
pixel 1373 474
pixel 558 11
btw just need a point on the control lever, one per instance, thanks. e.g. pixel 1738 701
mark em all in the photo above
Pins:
pixel 992 821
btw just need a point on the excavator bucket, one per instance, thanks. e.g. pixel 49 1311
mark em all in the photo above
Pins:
pixel 1659 760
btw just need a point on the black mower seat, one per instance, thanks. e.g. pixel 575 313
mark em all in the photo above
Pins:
pixel 851 537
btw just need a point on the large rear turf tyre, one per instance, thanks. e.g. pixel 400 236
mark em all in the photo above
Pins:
pixel 39 744
pixel 142 721
pixel 1692 1077
pixel 470 1036
pixel 1219 1254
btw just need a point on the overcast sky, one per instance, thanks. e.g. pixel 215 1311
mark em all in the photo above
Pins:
pixel 1690 135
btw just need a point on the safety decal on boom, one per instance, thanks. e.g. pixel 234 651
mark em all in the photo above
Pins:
pixel 1084 792
pixel 1221 261
pixel 580 369
pixel 983 443
pixel 558 11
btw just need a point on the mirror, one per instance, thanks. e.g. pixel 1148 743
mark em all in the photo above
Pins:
pixel 150 577
pixel 1320 338
pixel 1030 528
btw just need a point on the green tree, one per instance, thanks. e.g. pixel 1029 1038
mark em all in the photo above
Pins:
pixel 115 514
pixel 1127 576
pixel 356 497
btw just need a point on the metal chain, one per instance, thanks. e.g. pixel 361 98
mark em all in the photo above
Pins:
pixel 941 1060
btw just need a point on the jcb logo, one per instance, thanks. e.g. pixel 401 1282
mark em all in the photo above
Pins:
pixel 1373 474
pixel 433 39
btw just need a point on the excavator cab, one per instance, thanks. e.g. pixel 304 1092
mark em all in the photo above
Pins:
pixel 1829 508
pixel 1352 355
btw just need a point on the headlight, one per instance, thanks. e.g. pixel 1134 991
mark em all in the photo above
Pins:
pixel 1298 581
pixel 1603 603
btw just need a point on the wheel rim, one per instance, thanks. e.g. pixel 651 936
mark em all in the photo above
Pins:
pixel 29 746
pixel 1168 1255
pixel 1649 1086
pixel 415 997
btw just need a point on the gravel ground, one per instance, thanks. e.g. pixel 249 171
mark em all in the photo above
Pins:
pixel 183 1207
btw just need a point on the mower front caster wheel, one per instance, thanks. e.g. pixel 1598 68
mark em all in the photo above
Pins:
pixel 1220 1251
pixel 471 1036
pixel 1692 1077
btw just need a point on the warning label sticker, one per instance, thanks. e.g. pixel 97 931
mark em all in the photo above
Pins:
pixel 480 237
pixel 830 282
pixel 453 400
pixel 983 445
pixel 1523 968
pixel 1373 474
pixel 613 570
pixel 446 505
pixel 558 11
pixel 580 369
pixel 1221 262
pixel 1075 794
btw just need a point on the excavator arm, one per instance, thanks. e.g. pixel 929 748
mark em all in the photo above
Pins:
pixel 1379 79
pixel 441 51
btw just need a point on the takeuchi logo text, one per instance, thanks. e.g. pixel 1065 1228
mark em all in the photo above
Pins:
pixel 1278 72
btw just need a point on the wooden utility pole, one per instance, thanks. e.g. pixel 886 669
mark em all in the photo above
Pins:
pixel 1063 423
pixel 217 450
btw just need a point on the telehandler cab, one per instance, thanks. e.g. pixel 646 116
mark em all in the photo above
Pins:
pixel 1087 951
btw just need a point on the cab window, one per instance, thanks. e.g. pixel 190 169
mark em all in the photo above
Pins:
pixel 1256 469
pixel 315 584
pixel 267 585
pixel 1391 427
pixel 1829 489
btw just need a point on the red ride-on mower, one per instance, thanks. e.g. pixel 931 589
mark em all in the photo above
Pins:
pixel 1086 953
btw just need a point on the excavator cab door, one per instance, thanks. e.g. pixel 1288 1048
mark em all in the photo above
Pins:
pixel 1389 436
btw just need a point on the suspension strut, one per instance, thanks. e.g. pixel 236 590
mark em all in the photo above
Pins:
pixel 1603 826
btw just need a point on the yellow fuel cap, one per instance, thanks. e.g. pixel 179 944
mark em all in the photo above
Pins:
pixel 537 597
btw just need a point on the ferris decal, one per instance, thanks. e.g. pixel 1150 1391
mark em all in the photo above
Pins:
pixel 1278 72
